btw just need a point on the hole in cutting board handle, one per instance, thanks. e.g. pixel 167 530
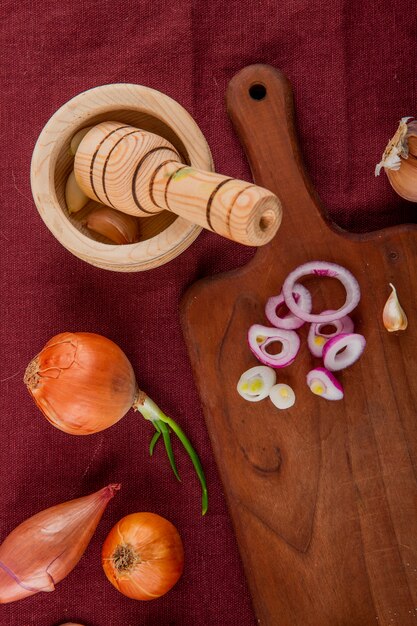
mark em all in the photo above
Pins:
pixel 257 91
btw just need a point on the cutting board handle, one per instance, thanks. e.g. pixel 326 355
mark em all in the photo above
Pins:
pixel 259 103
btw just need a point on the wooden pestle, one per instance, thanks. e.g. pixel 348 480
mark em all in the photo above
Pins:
pixel 141 173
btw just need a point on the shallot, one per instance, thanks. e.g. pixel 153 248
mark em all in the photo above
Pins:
pixel 317 338
pixel 263 339
pixel 289 321
pixel 282 396
pixel 323 383
pixel 255 384
pixel 46 547
pixel 343 350
pixel 322 268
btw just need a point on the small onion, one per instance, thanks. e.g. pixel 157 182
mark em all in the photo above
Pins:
pixel 352 345
pixel 143 556
pixel 322 268
pixel 254 384
pixel 317 338
pixel 261 337
pixel 290 321
pixel 323 383
pixel 84 383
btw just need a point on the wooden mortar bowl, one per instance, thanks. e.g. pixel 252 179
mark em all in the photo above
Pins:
pixel 163 236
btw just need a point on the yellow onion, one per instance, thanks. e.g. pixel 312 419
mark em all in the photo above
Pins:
pixel 143 556
pixel 84 383
pixel 46 547
pixel 400 160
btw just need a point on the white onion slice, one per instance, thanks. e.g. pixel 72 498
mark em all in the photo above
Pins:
pixel 282 396
pixel 256 383
pixel 316 339
pixel 290 321
pixel 322 268
pixel 260 337
pixel 352 345
pixel 324 384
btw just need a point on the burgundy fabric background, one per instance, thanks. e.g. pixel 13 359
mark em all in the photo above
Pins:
pixel 352 65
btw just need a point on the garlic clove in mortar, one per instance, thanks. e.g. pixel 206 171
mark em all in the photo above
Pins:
pixel 120 228
pixel 75 198
pixel 77 138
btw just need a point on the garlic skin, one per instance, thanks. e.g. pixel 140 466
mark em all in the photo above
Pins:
pixel 120 228
pixel 43 549
pixel 400 160
pixel 393 315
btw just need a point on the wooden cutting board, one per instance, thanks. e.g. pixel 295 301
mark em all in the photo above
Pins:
pixel 323 496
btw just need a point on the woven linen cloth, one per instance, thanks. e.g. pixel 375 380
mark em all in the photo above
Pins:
pixel 352 67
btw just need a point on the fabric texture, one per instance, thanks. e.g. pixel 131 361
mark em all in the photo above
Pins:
pixel 352 67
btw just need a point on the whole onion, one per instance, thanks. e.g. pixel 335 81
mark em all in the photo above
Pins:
pixel 83 383
pixel 143 556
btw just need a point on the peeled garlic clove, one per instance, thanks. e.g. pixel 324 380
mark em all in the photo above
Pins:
pixel 119 227
pixel 255 383
pixel 393 315
pixel 75 198
pixel 43 549
pixel 77 138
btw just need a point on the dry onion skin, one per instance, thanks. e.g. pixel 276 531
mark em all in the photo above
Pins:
pixel 46 547
pixel 84 383
pixel 400 160
pixel 143 556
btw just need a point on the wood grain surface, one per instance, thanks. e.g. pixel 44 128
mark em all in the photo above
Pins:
pixel 141 173
pixel 323 496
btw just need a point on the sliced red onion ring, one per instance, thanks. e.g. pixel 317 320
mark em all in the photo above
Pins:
pixel 256 383
pixel 290 321
pixel 260 337
pixel 352 345
pixel 317 339
pixel 324 384
pixel 322 268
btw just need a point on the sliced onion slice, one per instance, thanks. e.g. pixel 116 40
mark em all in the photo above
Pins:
pixel 322 268
pixel 316 338
pixel 290 321
pixel 324 384
pixel 261 338
pixel 256 383
pixel 352 345
pixel 282 396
